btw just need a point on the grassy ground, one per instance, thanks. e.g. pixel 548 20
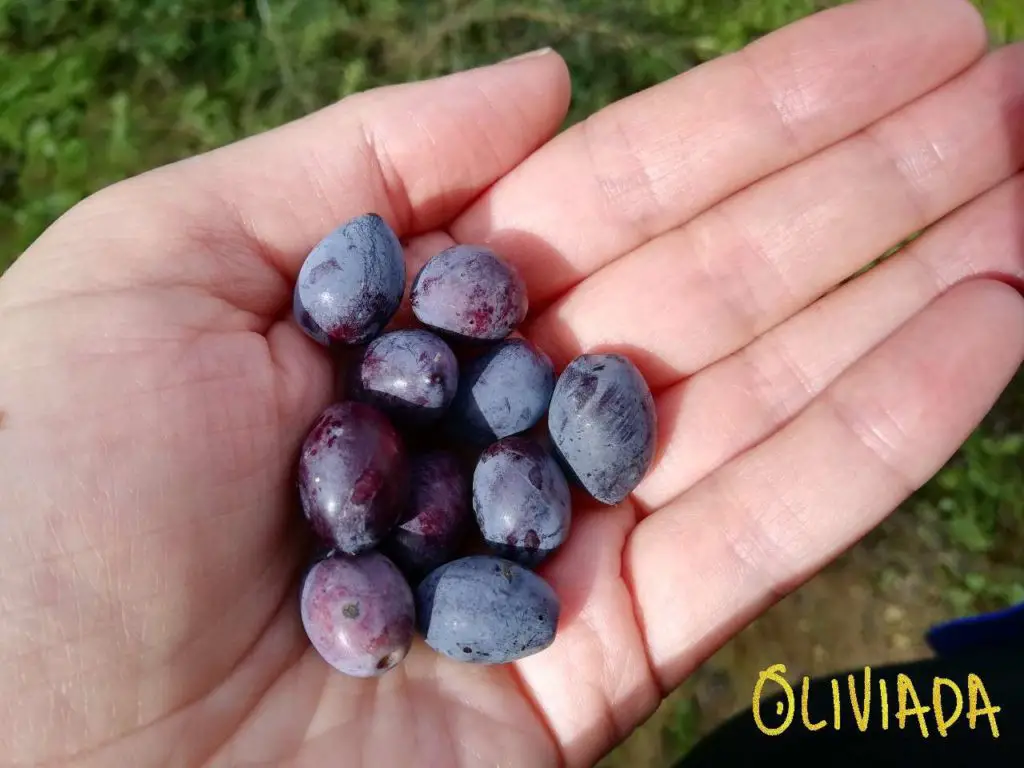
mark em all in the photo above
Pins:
pixel 95 90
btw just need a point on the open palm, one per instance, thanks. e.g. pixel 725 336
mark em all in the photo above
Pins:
pixel 155 390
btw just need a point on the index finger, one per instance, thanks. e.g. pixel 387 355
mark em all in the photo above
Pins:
pixel 649 163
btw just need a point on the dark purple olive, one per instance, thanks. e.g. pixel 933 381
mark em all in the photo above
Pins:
pixel 358 613
pixel 521 500
pixel 469 292
pixel 410 374
pixel 603 425
pixel 353 477
pixel 439 515
pixel 351 283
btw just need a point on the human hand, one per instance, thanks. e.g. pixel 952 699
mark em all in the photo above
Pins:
pixel 156 390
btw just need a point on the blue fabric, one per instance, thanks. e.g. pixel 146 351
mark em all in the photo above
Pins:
pixel 996 630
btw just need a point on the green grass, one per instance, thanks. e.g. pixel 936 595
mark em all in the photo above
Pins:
pixel 92 91
pixel 96 90
pixel 974 510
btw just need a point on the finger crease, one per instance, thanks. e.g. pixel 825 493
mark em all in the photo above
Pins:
pixel 783 117
pixel 873 437
pixel 746 304
pixel 778 399
pixel 395 191
pixel 915 195
pixel 748 539
pixel 636 188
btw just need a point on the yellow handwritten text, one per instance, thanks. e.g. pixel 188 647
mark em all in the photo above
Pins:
pixel 946 708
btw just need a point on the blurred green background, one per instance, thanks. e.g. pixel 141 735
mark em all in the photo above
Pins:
pixel 92 91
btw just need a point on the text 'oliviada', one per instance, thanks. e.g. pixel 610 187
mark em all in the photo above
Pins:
pixel 945 708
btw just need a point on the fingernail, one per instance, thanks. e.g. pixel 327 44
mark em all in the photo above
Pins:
pixel 530 55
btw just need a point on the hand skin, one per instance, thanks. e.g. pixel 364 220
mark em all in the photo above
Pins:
pixel 155 389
